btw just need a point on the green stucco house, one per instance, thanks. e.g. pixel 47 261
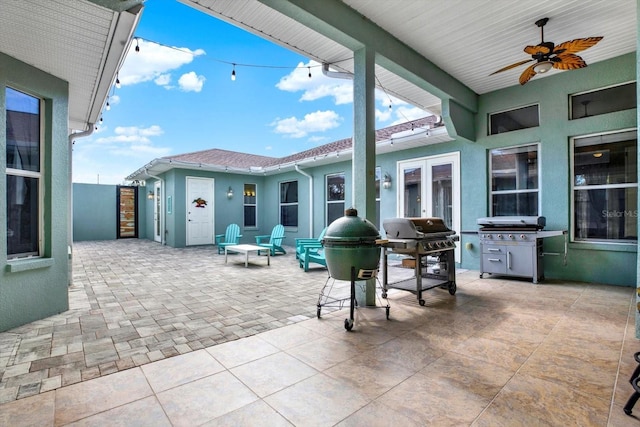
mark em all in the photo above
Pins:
pixel 54 80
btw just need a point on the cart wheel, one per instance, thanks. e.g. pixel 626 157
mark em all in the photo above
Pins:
pixel 421 302
pixel 384 295
pixel 481 275
pixel 452 288
pixel 348 324
pixel 387 310
pixel 319 311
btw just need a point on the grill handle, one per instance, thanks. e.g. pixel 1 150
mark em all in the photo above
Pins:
pixel 509 260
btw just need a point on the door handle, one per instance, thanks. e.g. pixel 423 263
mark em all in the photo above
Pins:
pixel 509 260
pixel 494 259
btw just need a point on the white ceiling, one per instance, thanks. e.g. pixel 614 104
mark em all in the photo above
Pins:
pixel 78 41
pixel 467 39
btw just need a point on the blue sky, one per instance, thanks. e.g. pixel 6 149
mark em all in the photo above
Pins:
pixel 177 96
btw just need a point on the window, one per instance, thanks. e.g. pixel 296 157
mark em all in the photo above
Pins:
pixel 250 206
pixel 335 197
pixel 289 203
pixel 605 188
pixel 520 118
pixel 607 100
pixel 514 181
pixel 24 174
pixel 378 179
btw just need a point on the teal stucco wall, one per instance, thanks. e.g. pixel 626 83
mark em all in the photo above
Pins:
pixel 31 289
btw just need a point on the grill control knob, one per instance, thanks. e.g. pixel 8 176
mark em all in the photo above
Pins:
pixel 499 236
pixel 523 237
pixel 511 236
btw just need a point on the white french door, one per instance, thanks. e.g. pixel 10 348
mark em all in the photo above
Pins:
pixel 430 187
pixel 157 212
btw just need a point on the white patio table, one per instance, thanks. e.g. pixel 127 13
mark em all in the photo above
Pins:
pixel 245 249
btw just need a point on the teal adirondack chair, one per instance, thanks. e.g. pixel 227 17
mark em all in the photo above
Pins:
pixel 312 253
pixel 230 237
pixel 301 242
pixel 274 242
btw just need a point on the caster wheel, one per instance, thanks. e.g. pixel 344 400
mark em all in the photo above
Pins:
pixel 421 302
pixel 452 288
pixel 348 324
pixel 627 411
pixel 481 276
pixel 387 310
pixel 384 295
pixel 319 309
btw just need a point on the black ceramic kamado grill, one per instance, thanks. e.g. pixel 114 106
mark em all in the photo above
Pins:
pixel 513 246
pixel 430 245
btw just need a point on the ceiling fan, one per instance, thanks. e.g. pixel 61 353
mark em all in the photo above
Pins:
pixel 547 55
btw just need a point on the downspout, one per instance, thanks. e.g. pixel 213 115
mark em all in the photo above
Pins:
pixel 162 219
pixel 71 138
pixel 335 74
pixel 310 198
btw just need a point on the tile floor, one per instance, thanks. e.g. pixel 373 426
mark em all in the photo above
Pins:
pixel 498 353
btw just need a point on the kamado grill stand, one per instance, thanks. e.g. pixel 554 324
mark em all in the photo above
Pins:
pixel 512 246
pixel 430 243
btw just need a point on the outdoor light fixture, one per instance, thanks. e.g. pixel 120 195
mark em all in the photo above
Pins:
pixel 386 183
pixel 229 193
pixel 150 195
pixel 542 67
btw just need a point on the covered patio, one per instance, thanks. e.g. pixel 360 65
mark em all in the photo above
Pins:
pixel 176 337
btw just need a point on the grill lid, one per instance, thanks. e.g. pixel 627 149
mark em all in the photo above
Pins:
pixel 415 228
pixel 350 230
pixel 537 222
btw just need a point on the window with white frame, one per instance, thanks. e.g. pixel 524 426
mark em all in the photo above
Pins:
pixel 514 181
pixel 605 188
pixel 289 203
pixel 24 174
pixel 378 179
pixel 250 206
pixel 334 196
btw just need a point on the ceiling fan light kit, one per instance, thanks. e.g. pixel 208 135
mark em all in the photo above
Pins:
pixel 547 55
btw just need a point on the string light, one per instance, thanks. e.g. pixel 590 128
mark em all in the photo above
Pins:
pixel 137 45
pixel 233 73
pixel 101 120
pixel 108 106
pixel 309 71
pixel 118 85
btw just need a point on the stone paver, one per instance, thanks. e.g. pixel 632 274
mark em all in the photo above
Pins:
pixel 135 301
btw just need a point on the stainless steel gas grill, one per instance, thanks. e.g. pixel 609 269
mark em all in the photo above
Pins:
pixel 513 246
pixel 430 245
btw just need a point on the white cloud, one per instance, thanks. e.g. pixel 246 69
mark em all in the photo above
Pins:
pixel 154 62
pixel 318 121
pixel 163 79
pixel 407 113
pixel 191 82
pixel 318 86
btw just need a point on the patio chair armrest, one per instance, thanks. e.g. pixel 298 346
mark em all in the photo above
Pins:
pixel 259 239
pixel 219 238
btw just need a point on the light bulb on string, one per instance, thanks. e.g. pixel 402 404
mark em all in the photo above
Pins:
pixel 309 71
pixel 233 73
pixel 118 85
pixel 101 120
pixel 108 106
pixel 137 45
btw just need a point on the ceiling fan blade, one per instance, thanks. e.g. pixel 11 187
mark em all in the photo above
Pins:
pixel 527 74
pixel 576 45
pixel 537 50
pixel 568 62
pixel 508 67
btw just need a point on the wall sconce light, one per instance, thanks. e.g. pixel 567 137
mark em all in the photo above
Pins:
pixel 150 195
pixel 386 183
pixel 229 193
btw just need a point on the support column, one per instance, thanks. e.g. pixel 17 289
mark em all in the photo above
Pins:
pixel 364 146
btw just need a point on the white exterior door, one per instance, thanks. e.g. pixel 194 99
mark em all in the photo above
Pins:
pixel 430 187
pixel 199 211
pixel 157 212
